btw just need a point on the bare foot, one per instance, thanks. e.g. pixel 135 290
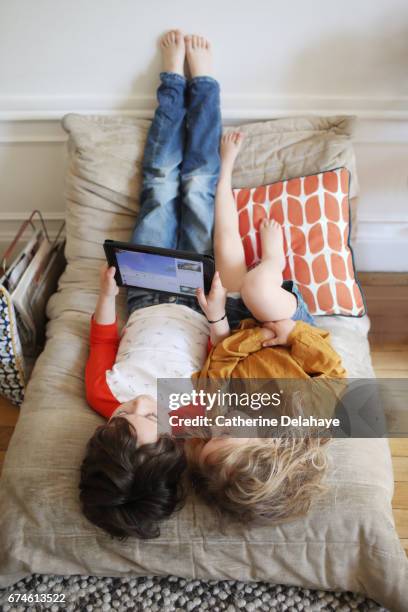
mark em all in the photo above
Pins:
pixel 272 242
pixel 173 51
pixel 199 56
pixel 230 146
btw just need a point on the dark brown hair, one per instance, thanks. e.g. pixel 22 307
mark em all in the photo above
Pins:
pixel 127 489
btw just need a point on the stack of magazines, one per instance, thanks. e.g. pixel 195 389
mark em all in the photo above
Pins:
pixel 27 279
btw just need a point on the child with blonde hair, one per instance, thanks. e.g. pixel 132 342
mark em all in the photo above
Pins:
pixel 258 479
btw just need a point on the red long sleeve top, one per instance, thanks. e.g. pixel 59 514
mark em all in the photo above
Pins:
pixel 104 344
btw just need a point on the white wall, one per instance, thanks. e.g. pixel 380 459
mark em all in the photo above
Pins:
pixel 272 58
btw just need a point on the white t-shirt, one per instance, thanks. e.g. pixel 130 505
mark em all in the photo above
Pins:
pixel 163 341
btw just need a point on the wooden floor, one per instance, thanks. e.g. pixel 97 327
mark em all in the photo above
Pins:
pixel 390 360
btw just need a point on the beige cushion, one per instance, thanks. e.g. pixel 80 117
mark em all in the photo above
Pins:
pixel 347 542
pixel 297 146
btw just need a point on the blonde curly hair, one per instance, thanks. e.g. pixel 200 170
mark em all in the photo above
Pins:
pixel 264 480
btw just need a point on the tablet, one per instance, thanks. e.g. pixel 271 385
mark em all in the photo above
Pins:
pixel 158 269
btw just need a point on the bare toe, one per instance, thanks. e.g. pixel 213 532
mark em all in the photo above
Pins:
pixel 173 52
pixel 199 56
pixel 229 149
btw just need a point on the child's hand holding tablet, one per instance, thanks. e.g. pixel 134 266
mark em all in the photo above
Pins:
pixel 166 270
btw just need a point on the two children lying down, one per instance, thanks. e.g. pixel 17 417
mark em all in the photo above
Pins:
pixel 131 478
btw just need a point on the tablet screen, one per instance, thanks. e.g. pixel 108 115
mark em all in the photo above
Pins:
pixel 160 272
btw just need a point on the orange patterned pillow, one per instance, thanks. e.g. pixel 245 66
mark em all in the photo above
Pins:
pixel 315 216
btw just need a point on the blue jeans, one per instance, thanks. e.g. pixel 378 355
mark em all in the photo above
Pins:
pixel 236 309
pixel 181 164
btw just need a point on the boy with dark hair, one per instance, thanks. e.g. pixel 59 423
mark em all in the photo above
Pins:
pixel 131 480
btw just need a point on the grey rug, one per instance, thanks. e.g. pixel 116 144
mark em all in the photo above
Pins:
pixel 171 594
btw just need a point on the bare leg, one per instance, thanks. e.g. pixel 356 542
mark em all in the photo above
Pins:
pixel 261 289
pixel 228 249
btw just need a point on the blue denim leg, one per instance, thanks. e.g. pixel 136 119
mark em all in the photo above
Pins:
pixel 302 312
pixel 237 311
pixel 158 221
pixel 160 200
pixel 201 165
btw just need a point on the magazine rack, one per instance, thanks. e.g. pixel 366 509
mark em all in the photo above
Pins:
pixel 27 279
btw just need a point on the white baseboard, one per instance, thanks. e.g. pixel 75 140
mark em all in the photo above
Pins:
pixel 235 106
pixel 379 246
pixel 383 255
pixel 37 118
